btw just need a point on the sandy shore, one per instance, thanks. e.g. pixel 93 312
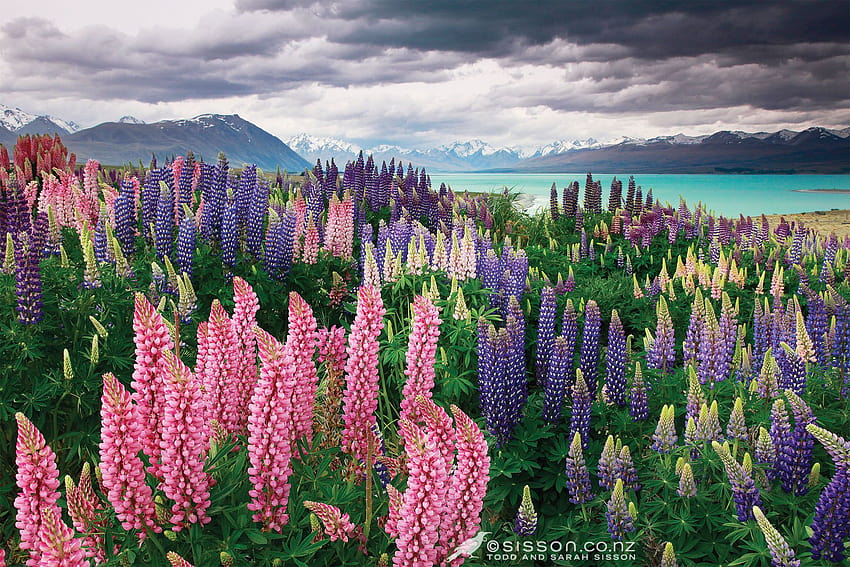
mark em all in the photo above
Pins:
pixel 825 222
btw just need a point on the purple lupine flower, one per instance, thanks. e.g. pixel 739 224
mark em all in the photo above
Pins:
pixel 737 426
pixel 589 358
pixel 515 361
pixel 615 362
pixel 783 441
pixel 817 323
pixel 125 218
pixel 244 192
pixel 766 453
pixel 831 524
pixel 255 221
pixel 793 376
pixel 525 523
pixel 184 186
pixel 545 332
pixel 29 247
pixel 230 234
pixel 553 202
pixel 728 336
pixel 607 461
pixel 498 380
pixel 150 198
pixel 665 437
pixel 620 521
pixel 708 423
pixel 186 239
pixel 215 199
pixel 279 246
pixel 578 478
pixel 555 388
pixel 101 243
pixel 581 407
pixel 781 554
pixel 841 342
pixel 662 353
pixel 687 485
pixel 164 227
pixel 569 330
pixel 801 444
pixel 638 402
pixel 624 469
pixel 744 491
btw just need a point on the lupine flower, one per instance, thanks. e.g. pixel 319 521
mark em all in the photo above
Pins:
pixel 831 523
pixel 29 248
pixel 164 227
pixel 620 521
pixel 801 445
pixel 186 237
pixel 708 424
pixel 420 358
pixel 176 560
pixel 57 545
pixel 662 355
pixel 696 398
pixel 581 408
pixel 687 486
pixel 782 555
pixel 664 438
pixel 122 471
pixel 244 350
pixel 184 446
pixel 624 469
pixel 301 341
pixel 767 386
pixel 737 427
pixel 216 370
pixel 555 388
pixel 578 478
pixel 85 507
pixel 525 523
pixel 38 479
pixel 607 461
pixel 638 403
pixel 744 490
pixel 423 500
pixel 361 393
pixel 589 359
pixel 545 332
pixel 336 524
pixel 781 434
pixel 766 452
pixel 616 359
pixel 668 559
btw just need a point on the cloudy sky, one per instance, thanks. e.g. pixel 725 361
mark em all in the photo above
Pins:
pixel 420 73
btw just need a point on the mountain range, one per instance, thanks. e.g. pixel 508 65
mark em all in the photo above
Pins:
pixel 815 150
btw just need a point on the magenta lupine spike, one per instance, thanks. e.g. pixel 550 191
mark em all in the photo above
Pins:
pixel 122 471
pixel 423 502
pixel 216 369
pixel 57 545
pixel 421 354
pixel 244 350
pixel 394 499
pixel 361 372
pixel 38 479
pixel 439 427
pixel 578 478
pixel 86 512
pixel 781 554
pixel 607 461
pixel 184 446
pixel 152 342
pixel 2 557
pixel 468 485
pixel 301 341
pixel 336 524
pixel 270 433
pixel 662 354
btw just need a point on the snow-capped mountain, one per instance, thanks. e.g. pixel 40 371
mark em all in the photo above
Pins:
pixel 312 148
pixel 21 122
pixel 130 120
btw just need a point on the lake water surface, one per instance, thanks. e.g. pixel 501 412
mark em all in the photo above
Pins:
pixel 724 194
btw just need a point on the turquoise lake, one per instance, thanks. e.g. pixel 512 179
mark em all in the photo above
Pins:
pixel 728 195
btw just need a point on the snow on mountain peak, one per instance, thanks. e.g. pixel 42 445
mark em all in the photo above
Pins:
pixel 130 120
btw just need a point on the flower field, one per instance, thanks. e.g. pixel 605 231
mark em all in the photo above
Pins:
pixel 204 365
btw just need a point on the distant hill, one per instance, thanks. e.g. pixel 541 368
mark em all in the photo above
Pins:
pixel 815 150
pixel 206 135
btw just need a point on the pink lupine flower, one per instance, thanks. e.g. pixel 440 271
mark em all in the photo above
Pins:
pixel 243 351
pixel 184 446
pixel 152 342
pixel 216 369
pixel 38 479
pixel 176 560
pixel 336 524
pixel 85 509
pixel 331 343
pixel 424 500
pixel 339 232
pixel 122 471
pixel 421 353
pixel 468 485
pixel 301 342
pixel 394 514
pixel 57 545
pixel 270 433
pixel 439 426
pixel 360 399
pixel 310 252
pixel 2 557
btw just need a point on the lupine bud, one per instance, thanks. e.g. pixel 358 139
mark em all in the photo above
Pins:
pixel 780 552
pixel 668 559
pixel 814 476
pixel 578 478
pixel 737 427
pixel 336 524
pixel 687 486
pixel 176 560
pixel 620 521
pixel 665 436
pixel 526 519
pixel 607 461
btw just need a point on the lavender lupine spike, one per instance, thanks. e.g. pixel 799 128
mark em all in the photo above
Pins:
pixel 578 478
pixel 28 290
pixel 638 402
pixel 526 519
pixel 662 354
pixel 781 435
pixel 186 239
pixel 737 427
pixel 581 409
pixel 545 332
pixel 766 452
pixel 744 491
pixel 664 438
pixel 690 347
pixel 589 359
pixel 125 218
pixel 616 359
pixel 831 523
pixel 230 233
pixel 801 444
pixel 624 469
pixel 782 555
pixel 620 521
pixel 164 227
pixel 607 461
pixel 687 485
